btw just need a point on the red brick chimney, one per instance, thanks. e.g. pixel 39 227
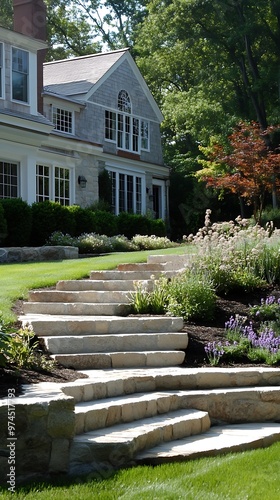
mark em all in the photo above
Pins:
pixel 30 20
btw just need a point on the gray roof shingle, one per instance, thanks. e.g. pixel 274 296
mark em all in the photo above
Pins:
pixel 76 76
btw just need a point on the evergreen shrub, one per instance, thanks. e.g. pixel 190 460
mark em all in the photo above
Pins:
pixel 3 224
pixel 106 223
pixel 131 224
pixel 49 217
pixel 18 215
pixel 85 220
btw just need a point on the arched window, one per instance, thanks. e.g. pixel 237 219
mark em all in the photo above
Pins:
pixel 124 103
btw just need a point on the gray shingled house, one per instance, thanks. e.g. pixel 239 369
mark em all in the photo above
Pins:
pixel 63 122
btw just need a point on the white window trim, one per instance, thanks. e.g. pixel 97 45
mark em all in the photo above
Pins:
pixel 16 163
pixel 69 110
pixel 52 167
pixel 161 184
pixel 24 103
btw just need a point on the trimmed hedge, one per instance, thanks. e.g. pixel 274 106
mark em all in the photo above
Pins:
pixel 48 217
pixel 33 225
pixel 18 215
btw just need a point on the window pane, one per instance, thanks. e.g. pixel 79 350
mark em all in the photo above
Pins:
pixel 138 195
pixel 110 125
pixel 135 137
pixel 120 131
pixel 144 135
pixel 129 194
pixel 42 183
pixel 8 180
pixel 63 120
pixel 62 185
pixel 124 103
pixel 19 75
pixel 122 193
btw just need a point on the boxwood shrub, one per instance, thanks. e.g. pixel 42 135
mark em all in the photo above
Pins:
pixel 48 217
pixel 18 215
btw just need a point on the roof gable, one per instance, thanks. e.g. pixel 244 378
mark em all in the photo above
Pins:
pixel 80 77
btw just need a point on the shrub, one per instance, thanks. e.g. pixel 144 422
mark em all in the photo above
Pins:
pixel 106 223
pixel 3 224
pixel 157 227
pixel 85 220
pixel 131 224
pixel 94 243
pixel 153 242
pixel 49 217
pixel 58 238
pixel 188 295
pixel 18 215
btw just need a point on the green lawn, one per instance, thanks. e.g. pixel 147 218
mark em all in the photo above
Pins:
pixel 252 475
pixel 17 279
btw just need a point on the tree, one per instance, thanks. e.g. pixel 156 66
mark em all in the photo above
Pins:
pixel 248 167
pixel 80 27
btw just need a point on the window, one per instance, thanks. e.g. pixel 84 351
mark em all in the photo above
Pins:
pixel 62 185
pixel 63 120
pixel 42 183
pixel 8 180
pixel 126 192
pixel 19 75
pixel 145 135
pixel 127 131
pixel 124 103
pixel 1 70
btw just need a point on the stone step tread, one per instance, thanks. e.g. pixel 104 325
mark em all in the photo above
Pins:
pixel 60 324
pixel 77 308
pixel 88 284
pixel 120 359
pixel 127 432
pixel 141 266
pixel 90 415
pixel 91 296
pixel 130 275
pixel 217 440
pixel 116 342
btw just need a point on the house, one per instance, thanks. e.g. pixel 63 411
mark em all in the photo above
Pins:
pixel 63 122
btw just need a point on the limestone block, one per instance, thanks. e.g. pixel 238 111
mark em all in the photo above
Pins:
pixel 30 254
pixel 59 460
pixel 61 419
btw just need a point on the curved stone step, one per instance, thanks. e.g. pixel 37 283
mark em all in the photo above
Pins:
pixel 119 444
pixel 48 325
pixel 216 441
pixel 120 359
pixel 76 308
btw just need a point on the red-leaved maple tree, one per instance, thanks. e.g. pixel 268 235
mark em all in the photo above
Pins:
pixel 251 168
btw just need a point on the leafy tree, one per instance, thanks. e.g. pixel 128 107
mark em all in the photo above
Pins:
pixel 6 13
pixel 248 168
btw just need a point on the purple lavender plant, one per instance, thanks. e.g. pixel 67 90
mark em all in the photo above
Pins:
pixel 214 352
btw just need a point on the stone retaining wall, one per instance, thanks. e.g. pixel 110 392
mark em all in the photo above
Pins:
pixel 37 254
pixel 35 437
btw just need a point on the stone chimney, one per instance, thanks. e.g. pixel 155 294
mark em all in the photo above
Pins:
pixel 30 19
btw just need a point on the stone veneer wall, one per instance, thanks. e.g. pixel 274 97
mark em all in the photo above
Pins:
pixel 43 429
pixel 37 254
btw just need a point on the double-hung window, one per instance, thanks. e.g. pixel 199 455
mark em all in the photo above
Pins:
pixel 1 71
pixel 53 183
pixel 8 180
pixel 20 71
pixel 63 120
pixel 127 131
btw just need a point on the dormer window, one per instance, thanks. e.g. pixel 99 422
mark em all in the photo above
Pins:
pixel 63 120
pixel 20 69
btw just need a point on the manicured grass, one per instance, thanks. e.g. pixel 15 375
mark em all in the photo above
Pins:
pixel 251 475
pixel 17 279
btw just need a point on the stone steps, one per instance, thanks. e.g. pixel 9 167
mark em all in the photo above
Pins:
pixel 216 441
pixel 138 405
pixel 118 444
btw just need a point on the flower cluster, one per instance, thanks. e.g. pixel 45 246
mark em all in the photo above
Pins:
pixel 214 352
